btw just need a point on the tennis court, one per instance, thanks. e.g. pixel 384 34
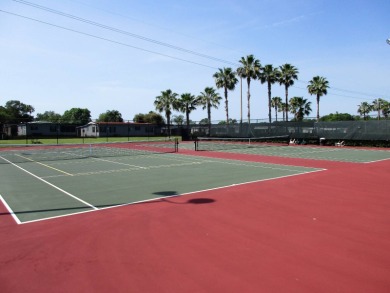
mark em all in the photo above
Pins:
pixel 282 149
pixel 43 182
pixel 152 218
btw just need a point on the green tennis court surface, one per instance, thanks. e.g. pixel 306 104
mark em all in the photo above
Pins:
pixel 342 154
pixel 35 190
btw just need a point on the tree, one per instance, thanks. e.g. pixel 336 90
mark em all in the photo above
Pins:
pixel 231 121
pixel 288 74
pixel 226 79
pixel 318 86
pixel 154 118
pixel 111 116
pixel 4 115
pixel 166 102
pixel 178 119
pixel 377 105
pixel 269 75
pixel 276 102
pixel 209 99
pixel 77 116
pixel 364 109
pixel 386 109
pixel 151 117
pixel 300 107
pixel 139 118
pixel 186 104
pixel 17 112
pixel 204 121
pixel 284 109
pixel 249 69
pixel 337 117
pixel 49 116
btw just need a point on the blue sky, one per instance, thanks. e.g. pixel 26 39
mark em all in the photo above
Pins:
pixel 55 69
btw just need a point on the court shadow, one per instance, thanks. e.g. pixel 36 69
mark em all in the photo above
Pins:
pixel 201 200
pixel 190 201
pixel 81 208
pixel 166 193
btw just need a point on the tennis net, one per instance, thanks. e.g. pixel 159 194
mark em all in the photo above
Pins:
pixel 218 143
pixel 43 152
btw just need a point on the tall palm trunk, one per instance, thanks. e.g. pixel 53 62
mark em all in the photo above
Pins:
pixel 241 102
pixel 188 117
pixel 318 108
pixel 249 100
pixel 226 106
pixel 276 113
pixel 286 90
pixel 209 117
pixel 269 102
pixel 169 123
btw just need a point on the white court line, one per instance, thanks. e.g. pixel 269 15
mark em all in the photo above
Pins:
pixel 119 163
pixel 50 184
pixel 376 161
pixel 59 216
pixel 11 212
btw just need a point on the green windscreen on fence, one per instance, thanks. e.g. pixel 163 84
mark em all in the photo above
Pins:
pixel 340 130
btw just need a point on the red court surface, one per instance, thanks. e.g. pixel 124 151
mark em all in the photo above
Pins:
pixel 320 232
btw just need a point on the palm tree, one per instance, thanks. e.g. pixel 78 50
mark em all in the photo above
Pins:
pixel 386 109
pixel 269 75
pixel 250 69
pixel 318 86
pixel 186 104
pixel 288 74
pixel 226 78
pixel 364 109
pixel 300 107
pixel 178 119
pixel 377 105
pixel 284 109
pixel 276 102
pixel 166 103
pixel 209 99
